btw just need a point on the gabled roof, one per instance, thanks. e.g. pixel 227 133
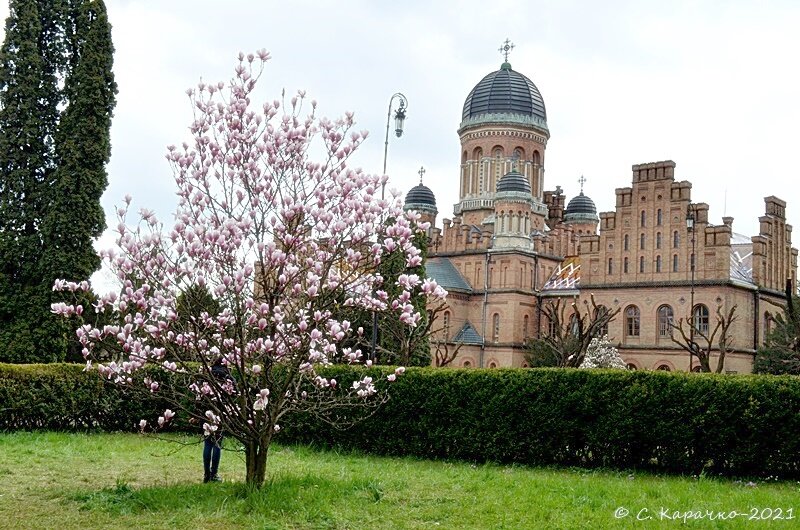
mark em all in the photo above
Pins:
pixel 566 276
pixel 741 258
pixel 468 335
pixel 444 272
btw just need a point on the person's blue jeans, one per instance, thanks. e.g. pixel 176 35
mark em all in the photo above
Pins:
pixel 212 450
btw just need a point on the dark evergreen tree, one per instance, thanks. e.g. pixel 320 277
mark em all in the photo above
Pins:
pixel 55 112
pixel 781 353
pixel 83 147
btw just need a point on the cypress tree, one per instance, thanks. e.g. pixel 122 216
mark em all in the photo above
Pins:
pixel 83 148
pixel 25 164
pixel 57 94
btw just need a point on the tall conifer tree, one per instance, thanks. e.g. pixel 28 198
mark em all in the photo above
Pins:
pixel 83 148
pixel 56 100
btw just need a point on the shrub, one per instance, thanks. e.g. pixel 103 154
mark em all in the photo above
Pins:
pixel 64 397
pixel 744 425
pixel 680 423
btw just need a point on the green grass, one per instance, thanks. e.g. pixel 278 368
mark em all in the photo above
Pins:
pixel 52 480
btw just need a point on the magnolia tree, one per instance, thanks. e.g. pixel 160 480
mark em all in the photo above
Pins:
pixel 282 241
pixel 602 354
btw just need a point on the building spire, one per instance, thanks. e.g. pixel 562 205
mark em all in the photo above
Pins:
pixel 581 181
pixel 421 172
pixel 505 49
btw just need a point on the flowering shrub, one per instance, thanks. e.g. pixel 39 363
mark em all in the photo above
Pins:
pixel 282 242
pixel 602 354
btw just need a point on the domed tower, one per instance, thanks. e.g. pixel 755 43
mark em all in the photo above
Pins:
pixel 420 198
pixel 503 128
pixel 581 213
pixel 513 204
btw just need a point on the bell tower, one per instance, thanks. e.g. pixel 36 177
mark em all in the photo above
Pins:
pixel 503 129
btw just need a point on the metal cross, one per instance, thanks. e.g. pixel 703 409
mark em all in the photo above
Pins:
pixel 421 172
pixel 581 181
pixel 506 48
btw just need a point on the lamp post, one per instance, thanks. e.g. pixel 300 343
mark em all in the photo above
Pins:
pixel 691 215
pixel 399 121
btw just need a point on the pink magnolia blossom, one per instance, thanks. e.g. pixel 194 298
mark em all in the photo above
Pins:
pixel 283 233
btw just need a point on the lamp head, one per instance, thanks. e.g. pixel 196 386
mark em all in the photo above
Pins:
pixel 399 119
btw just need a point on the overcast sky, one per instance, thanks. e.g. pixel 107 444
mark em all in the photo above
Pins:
pixel 712 85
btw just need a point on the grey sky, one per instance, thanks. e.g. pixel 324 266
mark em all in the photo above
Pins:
pixel 711 85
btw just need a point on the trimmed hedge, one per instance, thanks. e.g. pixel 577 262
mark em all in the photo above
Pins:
pixel 64 397
pixel 680 423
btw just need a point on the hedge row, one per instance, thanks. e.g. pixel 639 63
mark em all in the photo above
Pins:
pixel 64 397
pixel 680 423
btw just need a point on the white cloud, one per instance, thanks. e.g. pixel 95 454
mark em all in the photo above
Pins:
pixel 710 85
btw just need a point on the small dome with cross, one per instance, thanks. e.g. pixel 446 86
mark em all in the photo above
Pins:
pixel 581 207
pixel 420 197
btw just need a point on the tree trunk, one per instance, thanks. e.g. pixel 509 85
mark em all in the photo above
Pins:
pixel 705 365
pixel 256 462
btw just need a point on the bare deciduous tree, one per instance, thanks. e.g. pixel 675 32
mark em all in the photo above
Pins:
pixel 708 337
pixel 571 331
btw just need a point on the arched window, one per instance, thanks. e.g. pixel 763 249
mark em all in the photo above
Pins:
pixel 665 320
pixel 701 319
pixel 658 263
pixel 492 365
pixel 641 263
pixel 641 241
pixel 632 321
pixel 603 330
pixel 631 366
pixel 625 242
pixel 496 328
pixel 658 240
pixel 658 217
pixel 676 239
pixel 663 368
pixel 552 328
pixel 537 158
pixel 625 265
pixel 767 325
pixel 525 327
pixel 446 325
pixel 610 266
pixel 574 325
pixel 466 364
pixel 674 263
pixel 643 219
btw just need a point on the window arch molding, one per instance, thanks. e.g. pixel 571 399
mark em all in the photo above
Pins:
pixel 632 321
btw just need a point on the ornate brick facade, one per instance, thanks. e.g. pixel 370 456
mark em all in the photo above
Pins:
pixel 511 246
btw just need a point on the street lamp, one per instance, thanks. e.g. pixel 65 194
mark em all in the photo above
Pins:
pixel 691 217
pixel 399 121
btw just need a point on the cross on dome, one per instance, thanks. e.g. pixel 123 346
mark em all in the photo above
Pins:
pixel 581 181
pixel 421 172
pixel 505 49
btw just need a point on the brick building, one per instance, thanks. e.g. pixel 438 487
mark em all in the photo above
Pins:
pixel 511 246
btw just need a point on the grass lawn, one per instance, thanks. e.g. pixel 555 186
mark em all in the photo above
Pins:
pixel 52 480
